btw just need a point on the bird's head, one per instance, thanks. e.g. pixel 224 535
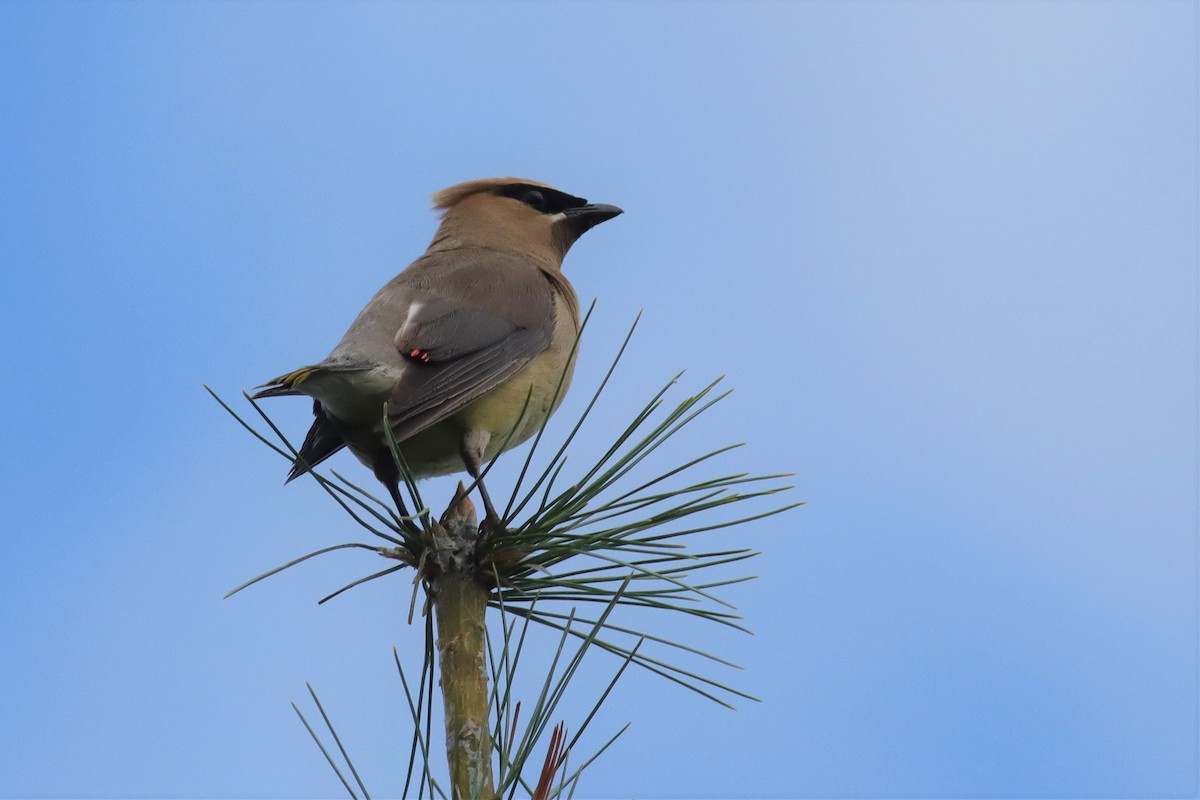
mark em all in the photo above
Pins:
pixel 515 215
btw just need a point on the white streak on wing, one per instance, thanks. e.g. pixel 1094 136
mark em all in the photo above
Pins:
pixel 413 310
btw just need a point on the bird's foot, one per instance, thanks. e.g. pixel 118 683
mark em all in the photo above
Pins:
pixel 491 526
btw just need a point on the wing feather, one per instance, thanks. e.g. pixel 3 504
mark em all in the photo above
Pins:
pixel 468 327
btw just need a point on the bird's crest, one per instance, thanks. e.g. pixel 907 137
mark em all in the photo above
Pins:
pixel 449 197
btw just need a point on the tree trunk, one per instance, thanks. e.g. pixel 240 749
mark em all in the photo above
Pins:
pixel 460 601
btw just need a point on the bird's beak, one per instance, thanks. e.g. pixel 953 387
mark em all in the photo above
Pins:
pixel 585 218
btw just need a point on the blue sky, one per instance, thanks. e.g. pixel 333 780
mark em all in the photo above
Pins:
pixel 945 253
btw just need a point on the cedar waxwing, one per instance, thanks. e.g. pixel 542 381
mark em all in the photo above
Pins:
pixel 466 347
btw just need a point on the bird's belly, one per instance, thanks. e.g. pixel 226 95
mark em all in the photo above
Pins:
pixel 517 408
pixel 501 412
pixel 437 450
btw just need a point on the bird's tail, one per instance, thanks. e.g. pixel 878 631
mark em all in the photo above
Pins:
pixel 323 439
pixel 284 384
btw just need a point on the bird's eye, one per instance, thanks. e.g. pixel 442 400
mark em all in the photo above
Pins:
pixel 534 199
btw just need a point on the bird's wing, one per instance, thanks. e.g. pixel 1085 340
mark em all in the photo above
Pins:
pixel 472 322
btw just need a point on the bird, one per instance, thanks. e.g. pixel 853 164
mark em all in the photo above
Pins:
pixel 466 352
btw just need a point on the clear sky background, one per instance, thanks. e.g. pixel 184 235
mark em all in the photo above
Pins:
pixel 945 253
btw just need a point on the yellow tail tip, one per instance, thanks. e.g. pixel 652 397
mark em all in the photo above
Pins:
pixel 291 379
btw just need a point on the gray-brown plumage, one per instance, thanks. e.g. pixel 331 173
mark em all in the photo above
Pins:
pixel 479 329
